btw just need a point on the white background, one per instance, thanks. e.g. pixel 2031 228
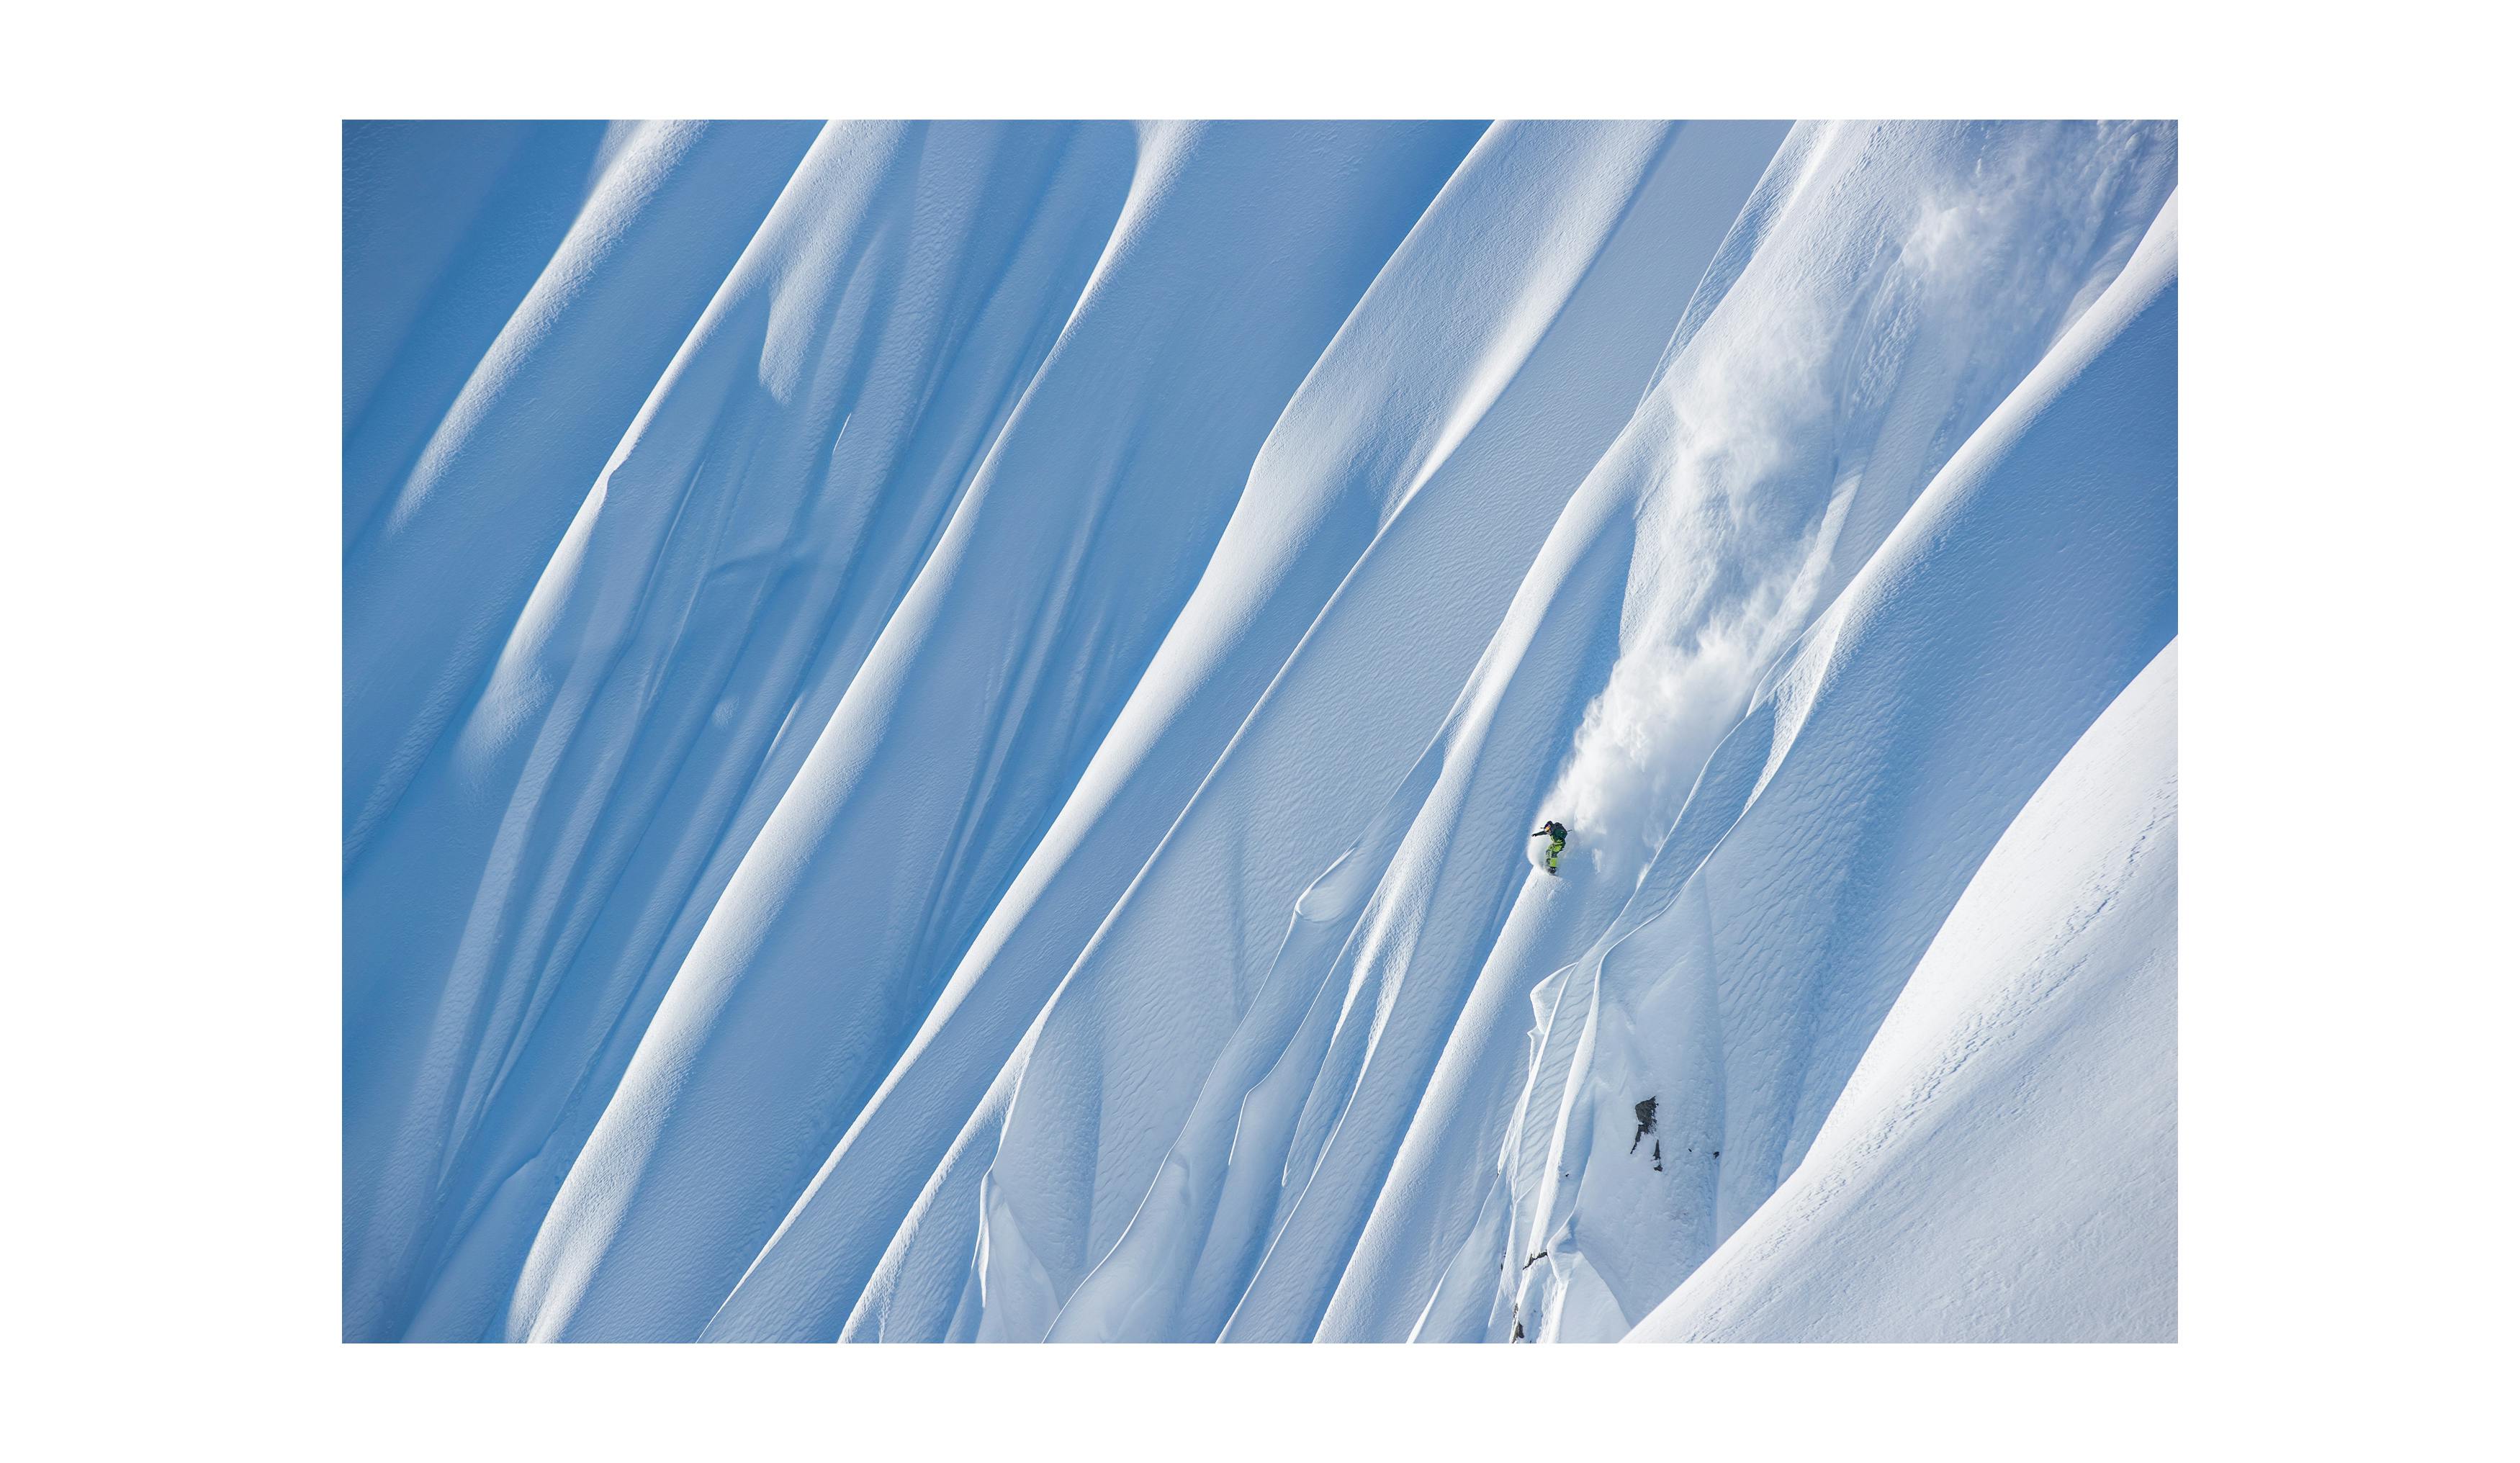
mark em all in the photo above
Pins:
pixel 171 609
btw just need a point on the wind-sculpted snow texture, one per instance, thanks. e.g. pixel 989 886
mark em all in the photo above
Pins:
pixel 2001 1166
pixel 942 722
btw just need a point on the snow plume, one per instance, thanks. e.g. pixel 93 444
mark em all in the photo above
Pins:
pixel 1728 461
pixel 1642 740
pixel 1709 631
pixel 1856 351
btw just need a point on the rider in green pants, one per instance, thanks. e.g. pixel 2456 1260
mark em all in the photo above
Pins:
pixel 1556 834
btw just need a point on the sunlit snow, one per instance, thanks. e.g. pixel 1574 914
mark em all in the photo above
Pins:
pixel 942 725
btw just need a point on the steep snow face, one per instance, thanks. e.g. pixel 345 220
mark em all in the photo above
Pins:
pixel 1887 287
pixel 938 716
pixel 2002 1166
pixel 1737 545
pixel 1831 833
pixel 1408 484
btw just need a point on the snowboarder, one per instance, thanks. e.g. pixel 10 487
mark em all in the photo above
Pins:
pixel 1556 834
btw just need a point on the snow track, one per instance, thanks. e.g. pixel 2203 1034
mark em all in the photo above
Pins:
pixel 938 719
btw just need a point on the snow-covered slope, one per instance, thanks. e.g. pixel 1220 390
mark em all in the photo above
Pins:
pixel 2002 1166
pixel 942 720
